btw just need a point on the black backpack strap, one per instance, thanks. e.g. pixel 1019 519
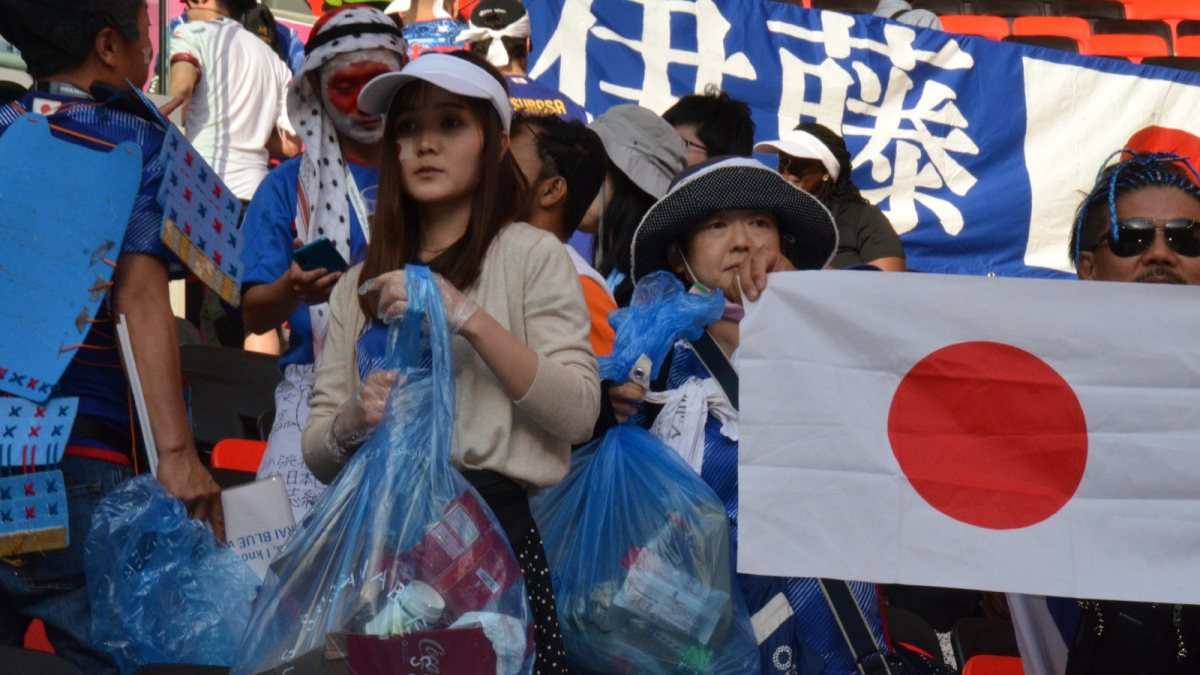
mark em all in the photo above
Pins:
pixel 853 627
pixel 897 14
pixel 717 365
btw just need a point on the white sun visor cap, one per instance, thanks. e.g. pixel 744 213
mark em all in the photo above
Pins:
pixel 799 144
pixel 455 75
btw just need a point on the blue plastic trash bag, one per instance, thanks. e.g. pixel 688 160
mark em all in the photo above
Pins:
pixel 400 546
pixel 660 313
pixel 639 555
pixel 161 587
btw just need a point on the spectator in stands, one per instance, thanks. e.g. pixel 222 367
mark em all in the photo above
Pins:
pixel 1140 223
pixel 712 124
pixel 234 90
pixel 563 163
pixel 79 54
pixel 1116 236
pixel 902 11
pixel 815 159
pixel 281 38
pixel 526 378
pixel 329 191
pixel 727 224
pixel 499 32
pixel 645 153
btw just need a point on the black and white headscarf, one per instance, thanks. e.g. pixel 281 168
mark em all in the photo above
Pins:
pixel 327 190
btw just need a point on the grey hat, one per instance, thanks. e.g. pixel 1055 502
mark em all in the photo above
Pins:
pixel 727 184
pixel 644 146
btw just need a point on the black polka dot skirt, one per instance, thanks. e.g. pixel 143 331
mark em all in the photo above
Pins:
pixel 551 658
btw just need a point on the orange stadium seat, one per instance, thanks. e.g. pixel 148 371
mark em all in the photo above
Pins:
pixel 1188 45
pixel 1134 27
pixel 986 664
pixel 1161 9
pixel 1065 26
pixel 35 637
pixel 1128 46
pixel 994 27
pixel 238 454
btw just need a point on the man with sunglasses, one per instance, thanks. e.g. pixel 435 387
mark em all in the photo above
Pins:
pixel 1140 223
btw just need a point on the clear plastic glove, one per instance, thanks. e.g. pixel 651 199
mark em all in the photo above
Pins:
pixel 358 416
pixel 393 299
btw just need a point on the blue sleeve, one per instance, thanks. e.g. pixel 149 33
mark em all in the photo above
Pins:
pixel 294 46
pixel 144 232
pixel 267 227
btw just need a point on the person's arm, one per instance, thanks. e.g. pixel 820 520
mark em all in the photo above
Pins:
pixel 284 144
pixel 554 380
pixel 336 381
pixel 890 264
pixel 266 306
pixel 185 74
pixel 140 293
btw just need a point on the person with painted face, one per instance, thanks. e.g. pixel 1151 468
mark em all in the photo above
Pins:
pixel 526 380
pixel 327 192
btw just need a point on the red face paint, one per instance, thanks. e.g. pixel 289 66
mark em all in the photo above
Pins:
pixel 343 86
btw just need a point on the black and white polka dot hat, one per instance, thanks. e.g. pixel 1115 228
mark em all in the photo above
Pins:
pixel 734 183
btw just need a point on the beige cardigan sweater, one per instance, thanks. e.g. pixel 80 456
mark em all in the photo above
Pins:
pixel 528 284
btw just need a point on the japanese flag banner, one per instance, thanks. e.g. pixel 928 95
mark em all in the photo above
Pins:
pixel 974 149
pixel 1022 435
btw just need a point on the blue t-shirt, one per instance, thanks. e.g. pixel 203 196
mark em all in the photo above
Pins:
pixel 269 232
pixel 534 98
pixel 95 374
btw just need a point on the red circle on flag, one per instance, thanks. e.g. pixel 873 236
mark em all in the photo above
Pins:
pixel 989 435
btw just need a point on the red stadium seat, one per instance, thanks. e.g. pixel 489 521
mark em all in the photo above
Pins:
pixel 1127 46
pixel 1064 26
pixel 986 664
pixel 35 637
pixel 1161 9
pixel 994 27
pixel 1188 45
pixel 238 454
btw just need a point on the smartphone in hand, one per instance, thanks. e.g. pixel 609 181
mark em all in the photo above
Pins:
pixel 319 253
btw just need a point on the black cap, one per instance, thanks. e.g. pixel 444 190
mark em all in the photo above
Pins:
pixel 497 14
pixel 64 25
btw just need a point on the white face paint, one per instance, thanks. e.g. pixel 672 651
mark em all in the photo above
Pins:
pixel 147 55
pixel 342 77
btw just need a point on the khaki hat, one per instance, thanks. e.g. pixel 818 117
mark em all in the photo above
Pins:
pixel 644 146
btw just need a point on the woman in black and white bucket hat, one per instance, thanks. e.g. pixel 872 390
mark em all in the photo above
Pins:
pixel 806 238
pixel 725 224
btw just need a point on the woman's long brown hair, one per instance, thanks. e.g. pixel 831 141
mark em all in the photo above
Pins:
pixel 396 227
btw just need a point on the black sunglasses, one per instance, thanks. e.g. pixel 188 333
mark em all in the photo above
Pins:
pixel 1135 235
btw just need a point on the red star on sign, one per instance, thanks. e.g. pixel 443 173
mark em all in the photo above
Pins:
pixel 217 257
pixel 187 159
pixel 187 229
pixel 187 194
pixel 217 225
pixel 217 191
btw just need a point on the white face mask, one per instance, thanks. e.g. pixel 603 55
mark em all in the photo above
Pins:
pixel 357 125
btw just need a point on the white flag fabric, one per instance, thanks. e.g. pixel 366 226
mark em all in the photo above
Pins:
pixel 1030 436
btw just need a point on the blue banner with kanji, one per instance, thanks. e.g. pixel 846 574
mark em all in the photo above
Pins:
pixel 978 151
